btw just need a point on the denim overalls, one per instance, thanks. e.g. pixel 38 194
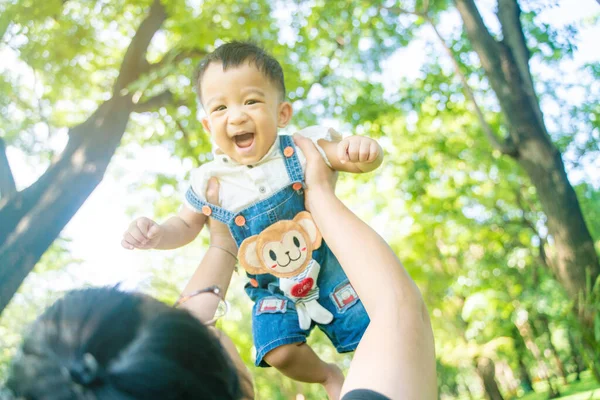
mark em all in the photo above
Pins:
pixel 274 317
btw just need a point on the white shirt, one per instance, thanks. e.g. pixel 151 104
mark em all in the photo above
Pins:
pixel 243 185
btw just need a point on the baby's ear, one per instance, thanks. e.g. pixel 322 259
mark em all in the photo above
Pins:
pixel 248 256
pixel 304 219
pixel 284 114
pixel 206 125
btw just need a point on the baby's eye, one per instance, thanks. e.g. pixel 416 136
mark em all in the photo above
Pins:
pixel 219 108
pixel 251 101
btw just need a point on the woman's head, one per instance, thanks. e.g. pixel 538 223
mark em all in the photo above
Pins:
pixel 108 344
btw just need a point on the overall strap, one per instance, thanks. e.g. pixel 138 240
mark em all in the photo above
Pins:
pixel 216 212
pixel 290 158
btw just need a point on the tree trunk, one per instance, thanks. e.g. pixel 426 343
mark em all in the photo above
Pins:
pixel 525 330
pixel 576 356
pixel 545 325
pixel 526 383
pixel 486 370
pixel 506 67
pixel 31 220
pixel 521 349
pixel 507 379
pixel 7 182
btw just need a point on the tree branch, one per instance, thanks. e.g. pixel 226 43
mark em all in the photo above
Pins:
pixel 155 102
pixel 187 141
pixel 399 10
pixel 509 15
pixel 483 43
pixel 324 73
pixel 174 57
pixel 504 148
pixel 134 60
pixel 7 180
pixel 543 256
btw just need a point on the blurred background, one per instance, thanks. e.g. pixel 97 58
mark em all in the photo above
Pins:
pixel 490 192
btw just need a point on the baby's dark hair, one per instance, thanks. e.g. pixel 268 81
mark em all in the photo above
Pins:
pixel 234 54
pixel 104 343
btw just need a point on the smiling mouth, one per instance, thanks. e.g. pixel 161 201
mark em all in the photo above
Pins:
pixel 244 140
pixel 291 260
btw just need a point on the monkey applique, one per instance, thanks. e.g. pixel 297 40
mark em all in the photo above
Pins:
pixel 284 250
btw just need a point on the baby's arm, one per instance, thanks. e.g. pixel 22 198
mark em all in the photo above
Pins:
pixel 355 154
pixel 177 231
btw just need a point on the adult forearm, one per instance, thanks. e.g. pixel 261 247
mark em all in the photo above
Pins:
pixel 361 251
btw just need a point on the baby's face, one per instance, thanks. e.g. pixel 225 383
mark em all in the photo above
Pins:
pixel 243 111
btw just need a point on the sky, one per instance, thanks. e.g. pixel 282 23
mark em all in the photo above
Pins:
pixel 96 230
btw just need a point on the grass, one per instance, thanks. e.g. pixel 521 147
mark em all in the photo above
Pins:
pixel 586 389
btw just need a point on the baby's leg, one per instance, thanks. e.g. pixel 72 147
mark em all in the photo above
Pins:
pixel 299 362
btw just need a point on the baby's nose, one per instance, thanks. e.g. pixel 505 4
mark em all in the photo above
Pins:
pixel 237 116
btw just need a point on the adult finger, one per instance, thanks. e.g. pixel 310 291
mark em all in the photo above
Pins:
pixel 212 191
pixel 308 147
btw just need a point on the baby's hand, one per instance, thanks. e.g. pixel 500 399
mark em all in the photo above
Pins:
pixel 143 233
pixel 358 149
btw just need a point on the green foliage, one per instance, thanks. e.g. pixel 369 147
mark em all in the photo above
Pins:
pixel 589 198
pixel 464 220
pixel 586 389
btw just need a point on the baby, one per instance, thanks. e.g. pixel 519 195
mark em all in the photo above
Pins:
pixel 261 177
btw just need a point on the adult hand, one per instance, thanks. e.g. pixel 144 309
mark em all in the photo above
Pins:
pixel 219 232
pixel 319 178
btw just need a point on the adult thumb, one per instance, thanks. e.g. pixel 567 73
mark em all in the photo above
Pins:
pixel 307 146
pixel 212 191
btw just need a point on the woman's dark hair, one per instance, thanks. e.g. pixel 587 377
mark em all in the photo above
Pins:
pixel 104 343
pixel 234 54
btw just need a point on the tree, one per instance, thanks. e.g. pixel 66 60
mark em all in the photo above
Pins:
pixel 506 64
pixel 77 58
pixel 457 197
pixel 33 218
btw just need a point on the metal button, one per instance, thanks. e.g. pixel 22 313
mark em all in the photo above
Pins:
pixel 262 189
